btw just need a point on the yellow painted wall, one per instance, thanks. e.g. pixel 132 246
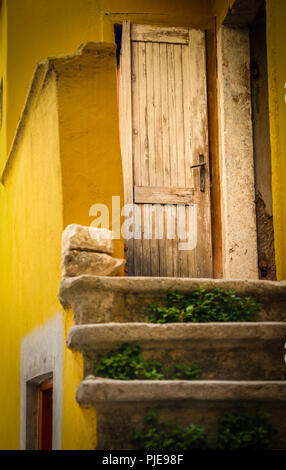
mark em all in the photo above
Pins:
pixel 91 173
pixel 65 158
pixel 276 51
pixel 220 10
pixel 3 70
pixel 31 201
pixel 36 30
pixel 276 46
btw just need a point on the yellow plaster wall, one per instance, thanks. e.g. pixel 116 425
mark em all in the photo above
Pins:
pixel 79 423
pixel 89 132
pixel 36 30
pixel 276 49
pixel 3 71
pixel 191 13
pixel 65 158
pixel 220 10
pixel 91 174
pixel 31 201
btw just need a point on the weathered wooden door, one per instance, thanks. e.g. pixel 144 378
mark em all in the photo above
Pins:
pixel 164 133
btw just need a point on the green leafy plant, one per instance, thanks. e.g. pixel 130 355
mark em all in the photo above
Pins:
pixel 170 435
pixel 127 363
pixel 182 372
pixel 242 430
pixel 202 306
pixel 238 430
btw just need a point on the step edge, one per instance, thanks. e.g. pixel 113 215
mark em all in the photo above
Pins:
pixel 158 285
pixel 88 336
pixel 98 391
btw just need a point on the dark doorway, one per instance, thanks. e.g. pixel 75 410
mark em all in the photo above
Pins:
pixel 46 415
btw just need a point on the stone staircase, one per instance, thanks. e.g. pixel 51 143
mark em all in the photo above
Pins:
pixel 242 364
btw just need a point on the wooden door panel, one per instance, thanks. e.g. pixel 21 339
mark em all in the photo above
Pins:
pixel 165 131
pixel 148 33
pixel 163 195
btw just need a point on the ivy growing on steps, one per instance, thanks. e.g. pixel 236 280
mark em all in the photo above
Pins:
pixel 238 430
pixel 156 435
pixel 127 363
pixel 203 306
pixel 242 430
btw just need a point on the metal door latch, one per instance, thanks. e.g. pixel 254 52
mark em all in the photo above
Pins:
pixel 202 166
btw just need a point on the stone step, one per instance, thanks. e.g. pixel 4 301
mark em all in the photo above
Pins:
pixel 124 299
pixel 122 405
pixel 223 351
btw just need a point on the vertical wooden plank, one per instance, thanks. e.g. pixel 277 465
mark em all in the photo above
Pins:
pixel 150 112
pixel 165 116
pixel 144 151
pixel 146 210
pixel 173 142
pixel 186 67
pixel 126 127
pixel 136 144
pixel 157 115
pixel 211 48
pixel 136 150
pixel 161 243
pixel 172 116
pixel 180 131
pixel 150 132
pixel 126 112
pixel 181 176
pixel 168 243
pixel 143 118
pixel 198 98
pixel 152 149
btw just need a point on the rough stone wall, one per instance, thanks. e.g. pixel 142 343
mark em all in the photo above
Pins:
pixel 88 250
pixel 236 155
pixel 265 237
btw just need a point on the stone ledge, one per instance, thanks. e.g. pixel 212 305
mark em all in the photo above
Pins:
pixel 266 289
pixel 102 392
pixel 124 299
pixel 108 336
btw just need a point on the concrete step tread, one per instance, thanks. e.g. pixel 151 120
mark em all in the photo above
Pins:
pixel 97 336
pixel 97 299
pixel 158 284
pixel 101 392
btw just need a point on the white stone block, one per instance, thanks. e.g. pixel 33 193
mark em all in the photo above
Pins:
pixel 77 263
pixel 78 237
